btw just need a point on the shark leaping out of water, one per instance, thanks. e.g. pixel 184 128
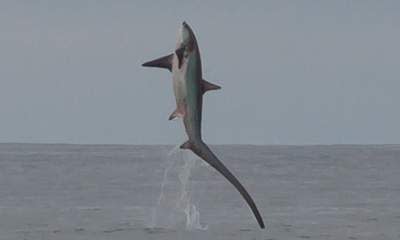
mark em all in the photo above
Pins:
pixel 189 87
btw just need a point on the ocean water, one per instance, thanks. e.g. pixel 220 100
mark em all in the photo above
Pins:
pixel 162 192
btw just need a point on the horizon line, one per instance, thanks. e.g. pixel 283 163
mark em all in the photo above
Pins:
pixel 213 144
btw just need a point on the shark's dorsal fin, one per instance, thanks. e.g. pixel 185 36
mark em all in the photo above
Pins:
pixel 207 86
pixel 162 62
pixel 178 113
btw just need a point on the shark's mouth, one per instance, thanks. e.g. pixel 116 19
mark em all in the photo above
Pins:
pixel 180 53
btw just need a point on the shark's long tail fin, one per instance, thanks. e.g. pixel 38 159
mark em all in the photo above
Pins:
pixel 203 151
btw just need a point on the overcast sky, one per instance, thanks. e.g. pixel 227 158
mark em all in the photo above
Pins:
pixel 292 72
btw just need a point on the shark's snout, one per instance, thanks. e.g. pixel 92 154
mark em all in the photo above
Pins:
pixel 185 29
pixel 186 38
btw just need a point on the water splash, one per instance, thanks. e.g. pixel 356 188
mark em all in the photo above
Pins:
pixel 191 212
pixel 175 205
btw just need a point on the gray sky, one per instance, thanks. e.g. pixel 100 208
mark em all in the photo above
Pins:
pixel 292 72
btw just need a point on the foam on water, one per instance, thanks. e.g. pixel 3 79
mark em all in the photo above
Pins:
pixel 175 205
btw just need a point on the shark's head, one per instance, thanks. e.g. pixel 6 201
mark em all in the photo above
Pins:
pixel 186 42
pixel 186 38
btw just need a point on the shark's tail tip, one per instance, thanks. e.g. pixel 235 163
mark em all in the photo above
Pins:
pixel 262 226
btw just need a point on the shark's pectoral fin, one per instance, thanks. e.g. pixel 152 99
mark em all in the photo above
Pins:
pixel 178 113
pixel 162 62
pixel 207 86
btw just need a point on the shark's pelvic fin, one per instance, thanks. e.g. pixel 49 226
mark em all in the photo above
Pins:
pixel 178 113
pixel 162 62
pixel 207 86
pixel 203 151
pixel 186 145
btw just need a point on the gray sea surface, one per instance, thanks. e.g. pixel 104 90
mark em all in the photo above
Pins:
pixel 59 191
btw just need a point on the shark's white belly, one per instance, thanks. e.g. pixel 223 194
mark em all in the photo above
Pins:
pixel 179 80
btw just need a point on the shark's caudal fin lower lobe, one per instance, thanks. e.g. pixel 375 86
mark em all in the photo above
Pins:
pixel 203 151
